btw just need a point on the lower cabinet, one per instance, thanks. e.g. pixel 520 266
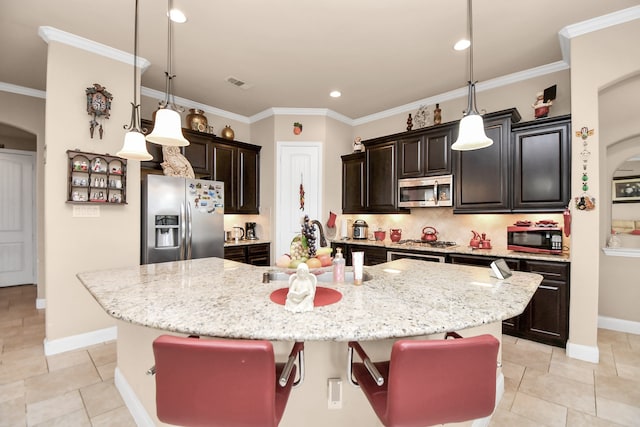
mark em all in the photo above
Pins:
pixel 257 254
pixel 546 318
pixel 372 255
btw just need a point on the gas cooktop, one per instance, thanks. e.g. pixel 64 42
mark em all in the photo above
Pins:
pixel 434 244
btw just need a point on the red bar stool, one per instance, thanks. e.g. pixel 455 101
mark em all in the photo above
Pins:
pixel 226 383
pixel 429 382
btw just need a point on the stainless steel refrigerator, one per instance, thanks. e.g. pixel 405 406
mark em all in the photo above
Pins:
pixel 182 219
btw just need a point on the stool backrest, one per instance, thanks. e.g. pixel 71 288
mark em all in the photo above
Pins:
pixel 441 381
pixel 213 382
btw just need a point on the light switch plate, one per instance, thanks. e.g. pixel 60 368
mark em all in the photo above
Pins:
pixel 334 393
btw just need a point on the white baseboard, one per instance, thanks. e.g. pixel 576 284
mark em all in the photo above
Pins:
pixel 583 352
pixel 619 325
pixel 139 414
pixel 41 303
pixel 75 342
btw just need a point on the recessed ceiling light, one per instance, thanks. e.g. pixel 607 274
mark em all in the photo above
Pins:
pixel 335 94
pixel 177 16
pixel 462 44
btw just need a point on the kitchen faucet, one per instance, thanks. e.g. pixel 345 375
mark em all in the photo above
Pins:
pixel 323 241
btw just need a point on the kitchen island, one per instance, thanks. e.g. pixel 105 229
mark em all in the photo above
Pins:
pixel 222 298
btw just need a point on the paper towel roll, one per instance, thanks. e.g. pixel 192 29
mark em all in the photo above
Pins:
pixel 344 232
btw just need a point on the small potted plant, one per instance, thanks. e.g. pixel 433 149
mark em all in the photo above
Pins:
pixel 297 128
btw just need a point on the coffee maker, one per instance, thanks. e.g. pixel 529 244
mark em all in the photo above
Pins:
pixel 250 231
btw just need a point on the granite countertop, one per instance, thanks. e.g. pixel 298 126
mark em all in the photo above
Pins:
pixel 222 298
pixel 243 242
pixel 461 249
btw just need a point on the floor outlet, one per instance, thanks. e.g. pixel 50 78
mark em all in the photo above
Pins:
pixel 334 386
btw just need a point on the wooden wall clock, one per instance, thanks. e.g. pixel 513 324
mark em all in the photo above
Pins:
pixel 98 106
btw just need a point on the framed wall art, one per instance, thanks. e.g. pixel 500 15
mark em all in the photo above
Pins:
pixel 626 189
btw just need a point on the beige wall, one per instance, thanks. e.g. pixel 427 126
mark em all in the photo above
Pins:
pixel 595 66
pixel 620 134
pixel 28 113
pixel 81 244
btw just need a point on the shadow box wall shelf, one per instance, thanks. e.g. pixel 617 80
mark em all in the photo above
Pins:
pixel 96 178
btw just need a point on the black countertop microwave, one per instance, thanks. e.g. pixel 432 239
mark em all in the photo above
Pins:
pixel 540 240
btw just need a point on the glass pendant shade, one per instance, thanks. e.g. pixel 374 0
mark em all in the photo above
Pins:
pixel 471 135
pixel 135 147
pixel 167 129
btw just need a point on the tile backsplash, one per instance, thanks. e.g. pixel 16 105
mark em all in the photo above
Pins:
pixel 450 227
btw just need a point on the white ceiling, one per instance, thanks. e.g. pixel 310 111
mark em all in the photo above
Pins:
pixel 380 54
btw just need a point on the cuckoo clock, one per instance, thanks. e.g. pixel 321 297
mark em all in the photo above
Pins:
pixel 98 107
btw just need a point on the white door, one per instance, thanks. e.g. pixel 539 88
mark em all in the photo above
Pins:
pixel 17 195
pixel 298 163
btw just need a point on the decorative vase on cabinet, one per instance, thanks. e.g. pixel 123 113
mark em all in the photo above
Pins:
pixel 196 120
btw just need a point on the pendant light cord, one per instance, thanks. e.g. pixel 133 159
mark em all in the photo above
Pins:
pixel 169 101
pixel 134 126
pixel 471 105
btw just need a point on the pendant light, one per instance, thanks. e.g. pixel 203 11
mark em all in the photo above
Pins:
pixel 471 135
pixel 167 129
pixel 135 146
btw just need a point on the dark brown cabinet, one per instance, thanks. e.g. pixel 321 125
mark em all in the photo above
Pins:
pixel 238 166
pixel 198 152
pixel 427 153
pixel 235 163
pixel 256 254
pixel 482 177
pixel 353 190
pixel 381 178
pixel 372 255
pixel 542 163
pixel 546 318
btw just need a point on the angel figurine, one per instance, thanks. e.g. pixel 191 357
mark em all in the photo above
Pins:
pixel 302 290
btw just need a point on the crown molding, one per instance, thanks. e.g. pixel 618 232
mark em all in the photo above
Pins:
pixel 49 34
pixel 590 25
pixel 21 90
pixel 152 93
pixel 285 111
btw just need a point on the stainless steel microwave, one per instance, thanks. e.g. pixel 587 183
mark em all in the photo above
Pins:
pixel 425 192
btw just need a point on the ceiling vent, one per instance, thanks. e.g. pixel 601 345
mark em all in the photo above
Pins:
pixel 238 83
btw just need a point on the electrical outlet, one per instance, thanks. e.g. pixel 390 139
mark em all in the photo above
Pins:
pixel 82 211
pixel 334 393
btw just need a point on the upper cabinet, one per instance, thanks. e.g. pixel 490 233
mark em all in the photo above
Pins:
pixel 381 177
pixel 541 164
pixel 481 177
pixel 527 169
pixel 235 163
pixel 425 152
pixel 353 183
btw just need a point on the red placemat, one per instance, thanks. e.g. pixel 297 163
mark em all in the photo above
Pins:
pixel 324 296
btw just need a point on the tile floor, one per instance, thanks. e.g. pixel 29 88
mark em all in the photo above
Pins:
pixel 543 387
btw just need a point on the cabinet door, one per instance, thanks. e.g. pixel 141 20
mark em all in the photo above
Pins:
pixel 547 316
pixel 381 183
pixel 198 152
pixel 154 149
pixel 258 254
pixel 542 163
pixel 248 181
pixel 353 191
pixel 224 169
pixel 411 157
pixel 437 159
pixel 481 176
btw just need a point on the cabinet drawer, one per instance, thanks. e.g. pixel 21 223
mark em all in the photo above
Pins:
pixel 235 253
pixel 482 261
pixel 548 270
pixel 254 250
